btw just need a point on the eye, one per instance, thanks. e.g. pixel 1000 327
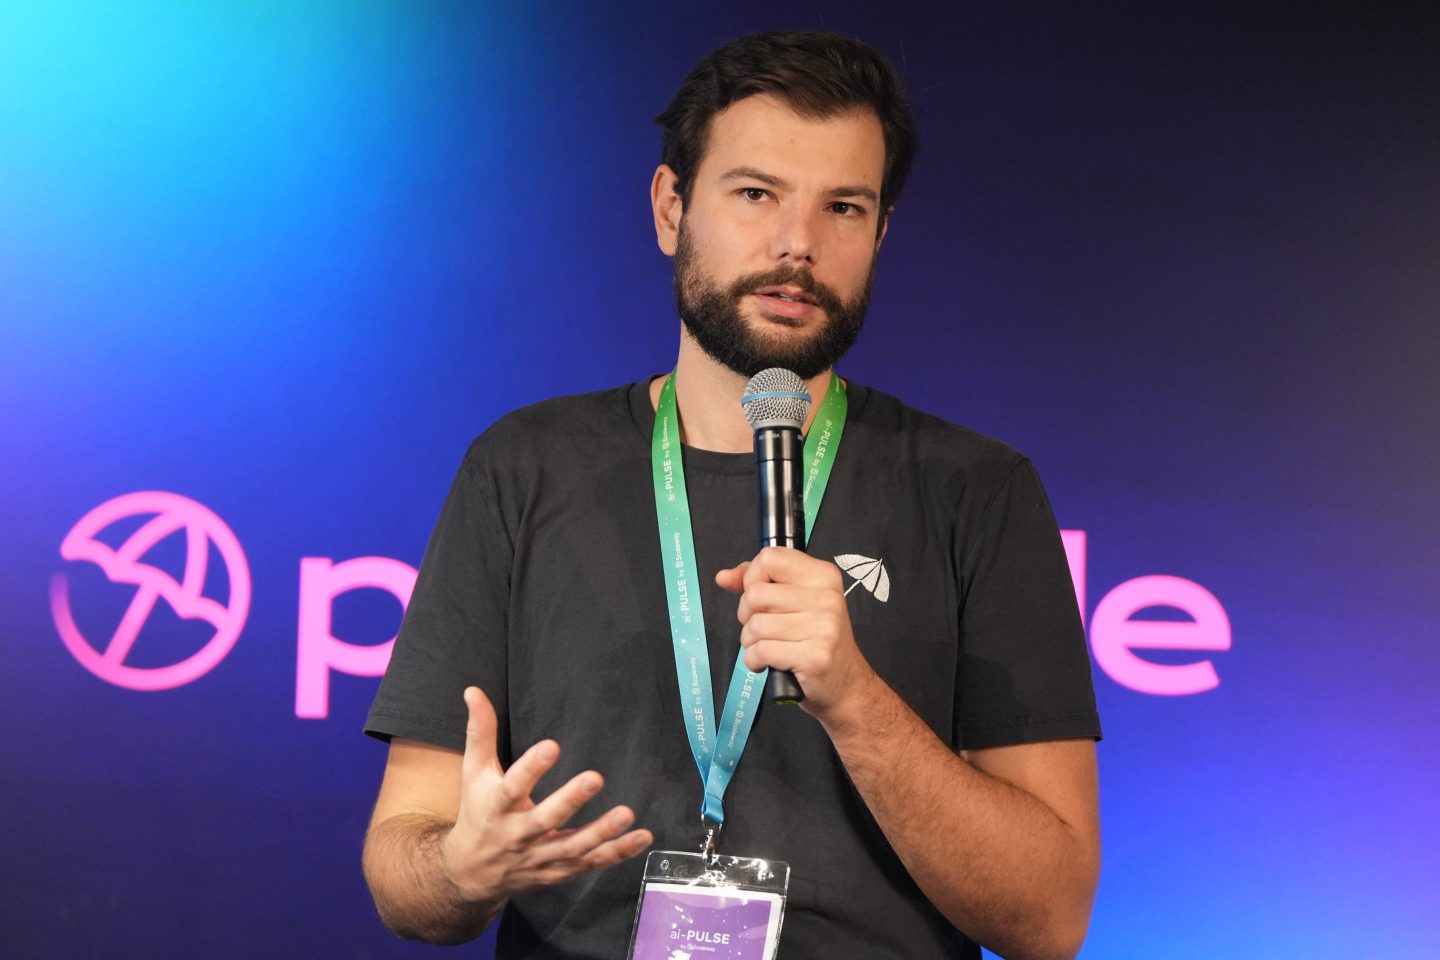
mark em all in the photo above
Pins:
pixel 754 194
pixel 846 209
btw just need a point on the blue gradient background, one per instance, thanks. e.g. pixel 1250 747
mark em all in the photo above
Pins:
pixel 287 259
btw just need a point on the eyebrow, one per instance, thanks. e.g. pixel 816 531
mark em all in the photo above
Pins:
pixel 770 180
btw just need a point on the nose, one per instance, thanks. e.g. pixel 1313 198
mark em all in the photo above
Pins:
pixel 794 240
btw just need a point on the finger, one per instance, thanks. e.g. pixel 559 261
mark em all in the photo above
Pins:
pixel 577 844
pixel 758 570
pixel 779 627
pixel 605 855
pixel 732 578
pixel 785 598
pixel 525 772
pixel 757 598
pixel 779 655
pixel 609 853
pixel 621 848
pixel 555 811
pixel 480 724
pixel 789 627
pixel 787 565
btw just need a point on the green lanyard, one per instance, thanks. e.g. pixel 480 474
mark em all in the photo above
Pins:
pixel 717 751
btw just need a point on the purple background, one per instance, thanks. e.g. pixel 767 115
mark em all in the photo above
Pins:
pixel 287 259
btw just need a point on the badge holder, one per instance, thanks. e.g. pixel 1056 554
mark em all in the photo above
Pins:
pixel 705 906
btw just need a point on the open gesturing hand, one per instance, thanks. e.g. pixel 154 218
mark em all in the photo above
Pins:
pixel 503 842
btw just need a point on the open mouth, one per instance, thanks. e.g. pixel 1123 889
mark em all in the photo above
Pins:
pixel 787 294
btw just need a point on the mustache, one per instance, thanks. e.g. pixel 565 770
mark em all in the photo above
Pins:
pixel 823 295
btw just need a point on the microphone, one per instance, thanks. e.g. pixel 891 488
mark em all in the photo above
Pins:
pixel 775 403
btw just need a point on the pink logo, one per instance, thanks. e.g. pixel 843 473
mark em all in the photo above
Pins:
pixel 172 513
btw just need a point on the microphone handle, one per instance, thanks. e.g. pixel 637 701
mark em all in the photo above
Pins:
pixel 782 687
pixel 781 514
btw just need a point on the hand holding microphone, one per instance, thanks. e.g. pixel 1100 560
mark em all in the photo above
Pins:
pixel 775 403
pixel 792 606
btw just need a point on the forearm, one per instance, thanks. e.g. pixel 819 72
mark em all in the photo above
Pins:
pixel 413 893
pixel 997 862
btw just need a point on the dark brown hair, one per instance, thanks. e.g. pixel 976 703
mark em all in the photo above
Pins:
pixel 816 74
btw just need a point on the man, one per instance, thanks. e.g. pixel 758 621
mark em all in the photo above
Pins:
pixel 939 775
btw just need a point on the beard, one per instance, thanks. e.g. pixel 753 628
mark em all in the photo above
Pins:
pixel 712 316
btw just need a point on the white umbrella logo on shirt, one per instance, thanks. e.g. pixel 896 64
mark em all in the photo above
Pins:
pixel 868 572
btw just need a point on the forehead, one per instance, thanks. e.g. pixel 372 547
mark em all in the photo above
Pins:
pixel 766 134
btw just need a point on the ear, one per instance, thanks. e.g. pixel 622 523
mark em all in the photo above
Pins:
pixel 665 202
pixel 884 228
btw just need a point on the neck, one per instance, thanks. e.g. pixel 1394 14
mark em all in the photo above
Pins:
pixel 708 397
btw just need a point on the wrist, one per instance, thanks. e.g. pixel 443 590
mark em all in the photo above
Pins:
pixel 855 714
pixel 457 868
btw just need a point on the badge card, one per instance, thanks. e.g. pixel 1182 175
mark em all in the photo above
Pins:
pixel 719 913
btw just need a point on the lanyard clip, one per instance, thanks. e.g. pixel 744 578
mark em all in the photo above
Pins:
pixel 709 848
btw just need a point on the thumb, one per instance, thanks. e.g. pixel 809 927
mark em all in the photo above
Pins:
pixel 733 578
pixel 480 729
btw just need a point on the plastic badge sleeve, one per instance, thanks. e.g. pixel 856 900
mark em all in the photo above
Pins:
pixel 695 906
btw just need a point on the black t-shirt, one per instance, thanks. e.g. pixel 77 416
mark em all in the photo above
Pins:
pixel 542 584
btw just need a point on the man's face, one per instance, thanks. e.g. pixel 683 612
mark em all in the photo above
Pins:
pixel 775 252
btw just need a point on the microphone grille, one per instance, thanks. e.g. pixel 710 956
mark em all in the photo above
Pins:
pixel 775 397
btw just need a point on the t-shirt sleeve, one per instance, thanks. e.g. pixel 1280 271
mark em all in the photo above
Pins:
pixel 1024 669
pixel 453 634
